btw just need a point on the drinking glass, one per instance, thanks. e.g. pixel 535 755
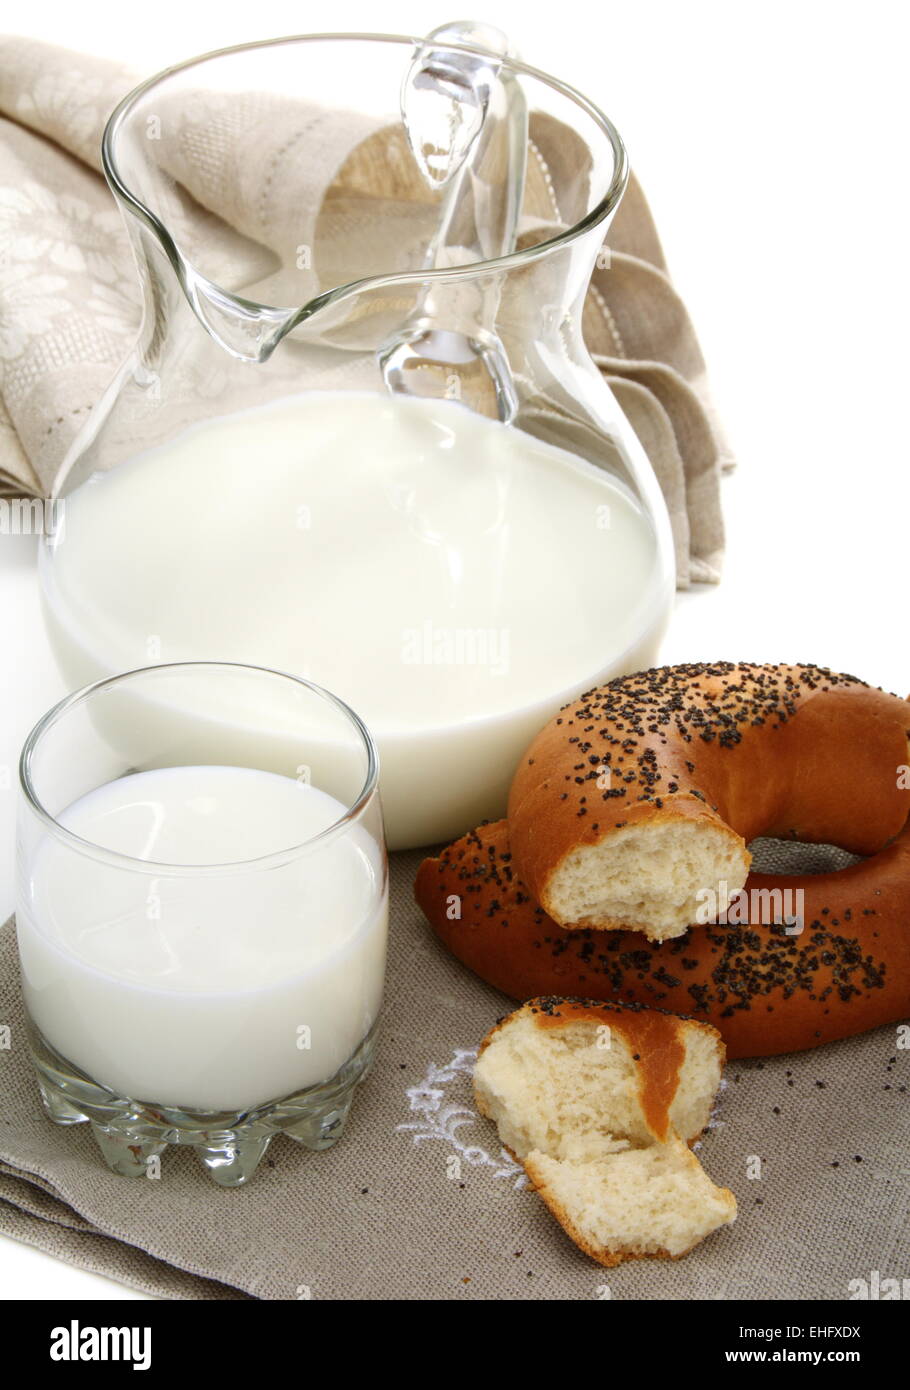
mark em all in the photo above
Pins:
pixel 202 912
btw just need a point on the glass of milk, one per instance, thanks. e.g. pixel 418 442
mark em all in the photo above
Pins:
pixel 202 912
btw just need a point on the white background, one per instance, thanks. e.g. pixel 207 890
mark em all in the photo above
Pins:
pixel 772 142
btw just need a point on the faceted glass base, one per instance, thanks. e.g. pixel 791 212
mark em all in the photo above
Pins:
pixel 132 1134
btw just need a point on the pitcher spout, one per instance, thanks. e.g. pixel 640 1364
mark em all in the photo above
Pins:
pixel 287 217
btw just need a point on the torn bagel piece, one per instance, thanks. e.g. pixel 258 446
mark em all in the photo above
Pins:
pixel 600 1103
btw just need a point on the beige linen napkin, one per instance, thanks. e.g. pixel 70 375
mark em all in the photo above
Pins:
pixel 418 1201
pixel 69 300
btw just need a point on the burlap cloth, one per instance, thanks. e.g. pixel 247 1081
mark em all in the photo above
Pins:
pixel 417 1201
pixel 69 303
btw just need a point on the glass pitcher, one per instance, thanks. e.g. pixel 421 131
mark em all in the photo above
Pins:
pixel 360 437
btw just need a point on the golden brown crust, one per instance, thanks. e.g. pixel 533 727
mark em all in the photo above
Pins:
pixel 655 1039
pixel 788 751
pixel 766 991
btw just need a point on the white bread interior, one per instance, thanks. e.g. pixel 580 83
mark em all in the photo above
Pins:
pixel 649 877
pixel 654 1201
pixel 570 1109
